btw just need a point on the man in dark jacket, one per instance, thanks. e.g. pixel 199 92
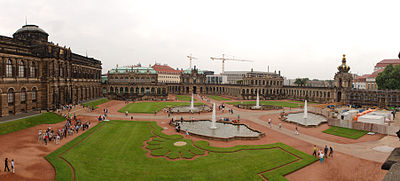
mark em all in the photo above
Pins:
pixel 6 165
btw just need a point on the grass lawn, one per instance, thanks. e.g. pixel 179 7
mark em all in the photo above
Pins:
pixel 345 132
pixel 219 98
pixel 95 103
pixel 150 107
pixel 45 118
pixel 272 103
pixel 185 98
pixel 114 152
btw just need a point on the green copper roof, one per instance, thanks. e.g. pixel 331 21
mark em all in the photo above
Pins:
pixel 139 70
pixel 103 78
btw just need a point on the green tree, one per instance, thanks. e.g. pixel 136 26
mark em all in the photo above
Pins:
pixel 298 82
pixel 389 78
pixel 301 81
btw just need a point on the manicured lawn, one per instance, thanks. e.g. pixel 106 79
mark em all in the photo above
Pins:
pixel 45 118
pixel 345 132
pixel 272 103
pixel 150 107
pixel 185 98
pixel 115 152
pixel 219 98
pixel 95 103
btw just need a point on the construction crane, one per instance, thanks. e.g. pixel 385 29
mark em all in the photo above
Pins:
pixel 190 59
pixel 223 60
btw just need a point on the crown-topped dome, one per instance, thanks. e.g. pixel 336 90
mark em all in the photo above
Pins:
pixel 344 68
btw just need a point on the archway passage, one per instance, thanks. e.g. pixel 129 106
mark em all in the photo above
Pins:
pixel 339 96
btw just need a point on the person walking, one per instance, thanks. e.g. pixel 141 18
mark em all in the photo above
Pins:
pixel 330 151
pixel 315 151
pixel 280 125
pixel 6 165
pixel 321 156
pixel 297 131
pixel 269 123
pixel 326 151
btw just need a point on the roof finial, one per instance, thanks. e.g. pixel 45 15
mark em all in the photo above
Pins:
pixel 344 58
pixel 26 20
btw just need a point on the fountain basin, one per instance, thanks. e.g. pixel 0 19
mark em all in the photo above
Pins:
pixel 225 131
pixel 187 109
pixel 312 119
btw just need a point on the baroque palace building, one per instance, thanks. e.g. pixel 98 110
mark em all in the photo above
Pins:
pixel 268 85
pixel 37 74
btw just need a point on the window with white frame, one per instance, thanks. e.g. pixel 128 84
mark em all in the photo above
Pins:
pixel 23 95
pixel 21 69
pixel 34 94
pixel 9 68
pixel 10 96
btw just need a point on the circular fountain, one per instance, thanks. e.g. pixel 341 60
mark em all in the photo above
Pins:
pixel 190 109
pixel 219 130
pixel 305 118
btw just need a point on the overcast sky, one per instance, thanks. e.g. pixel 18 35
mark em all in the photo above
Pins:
pixel 300 38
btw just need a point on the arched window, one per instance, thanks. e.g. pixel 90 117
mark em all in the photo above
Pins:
pixel 9 68
pixel 126 90
pixel 32 69
pixel 23 95
pixel 21 69
pixel 10 96
pixel 34 94
pixel 111 89
pixel 121 90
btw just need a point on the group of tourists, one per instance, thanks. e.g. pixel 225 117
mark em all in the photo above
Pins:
pixel 67 107
pixel 70 127
pixel 323 153
pixel 7 168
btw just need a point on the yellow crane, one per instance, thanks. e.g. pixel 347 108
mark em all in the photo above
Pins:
pixel 223 58
pixel 190 59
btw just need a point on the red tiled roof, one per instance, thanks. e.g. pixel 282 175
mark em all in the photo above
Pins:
pixel 361 78
pixel 386 62
pixel 165 69
pixel 373 75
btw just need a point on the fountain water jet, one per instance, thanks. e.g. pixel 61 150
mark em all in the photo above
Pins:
pixel 191 103
pixel 213 118
pixel 305 112
pixel 257 101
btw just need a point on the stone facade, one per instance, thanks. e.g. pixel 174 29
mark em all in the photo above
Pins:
pixel 36 74
pixel 134 83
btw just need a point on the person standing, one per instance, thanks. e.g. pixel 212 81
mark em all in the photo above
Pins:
pixel 269 123
pixel 330 151
pixel 6 165
pixel 315 151
pixel 326 151
pixel 297 131
pixel 280 125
